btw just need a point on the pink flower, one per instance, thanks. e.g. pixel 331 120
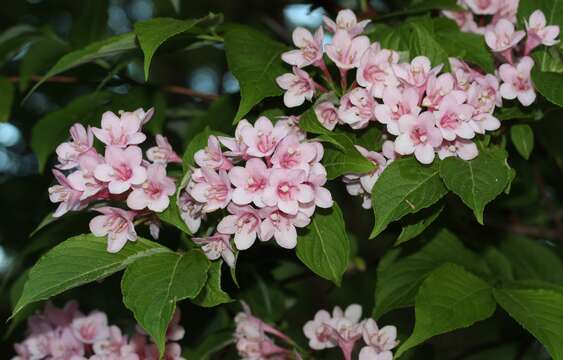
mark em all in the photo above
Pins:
pixel 464 75
pixel 517 81
pixel 154 193
pixel 310 49
pixel 453 116
pixel 217 246
pixel 346 20
pixel 281 226
pixel 293 154
pixel 319 331
pixel 262 138
pixel 65 194
pixel 212 157
pixel 375 72
pixel 214 191
pixel 114 347
pixel 250 182
pixel 286 189
pixel 463 19
pixel 418 136
pixel 396 103
pixel 69 152
pixel 244 222
pixel 464 149
pixel 116 224
pixel 175 331
pixel 345 50
pixel 237 147
pixel 327 114
pixel 483 7
pixel 362 184
pixel 370 353
pixel 437 88
pixel 91 328
pixel 539 33
pixel 84 179
pixel 122 168
pixel 502 36
pixel 163 152
pixel 298 87
pixel 65 345
pixel 416 73
pixel 383 339
pixel 191 211
pixel 357 108
pixel 121 131
pixel 316 180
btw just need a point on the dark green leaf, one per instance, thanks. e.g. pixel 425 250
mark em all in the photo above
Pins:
pixel 92 23
pixel 424 42
pixel 6 98
pixel 523 139
pixel 256 68
pixel 152 285
pixel 212 295
pixel 415 224
pixel 549 84
pixel 324 245
pixel 172 215
pixel 41 55
pixel 405 187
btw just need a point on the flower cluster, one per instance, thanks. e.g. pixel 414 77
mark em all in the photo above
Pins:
pixel 344 328
pixel 252 340
pixel 270 180
pixel 505 41
pixel 121 174
pixel 68 334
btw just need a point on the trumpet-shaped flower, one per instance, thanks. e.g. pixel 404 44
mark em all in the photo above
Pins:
pixel 116 224
pixel 154 193
pixel 310 48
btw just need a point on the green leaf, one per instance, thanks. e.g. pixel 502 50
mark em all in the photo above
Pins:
pixel 539 312
pixel 197 143
pixel 212 295
pixel 549 85
pixel 6 98
pixel 172 215
pixel 405 187
pixel 78 261
pixel 152 285
pixel 516 113
pixel 211 344
pixel 154 32
pixel 256 68
pixel 523 139
pixel 323 246
pixel 398 280
pixel 91 24
pixel 42 54
pixel 394 38
pixel 415 224
pixel 13 39
pixel 218 117
pixel 479 181
pixel 549 60
pixel 449 299
pixel 52 129
pixel 344 159
pixel 424 42
pixel 499 264
pixel 98 50
pixel 531 260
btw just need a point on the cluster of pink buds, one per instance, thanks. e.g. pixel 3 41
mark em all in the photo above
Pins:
pixel 344 328
pixel 252 340
pixel 119 175
pixel 68 334
pixel 270 180
pixel 506 42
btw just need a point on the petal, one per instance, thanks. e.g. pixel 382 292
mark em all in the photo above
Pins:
pixel 286 236
pixel 244 240
pixel 424 153
pixel 404 145
pixel 137 199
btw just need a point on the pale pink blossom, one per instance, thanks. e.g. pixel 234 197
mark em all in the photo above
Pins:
pixel 65 345
pixel 293 154
pixel 217 246
pixel 154 193
pixel 517 81
pixel 191 211
pixel 162 153
pixel 483 7
pixel 327 114
pixel 502 36
pixel 84 179
pixel 212 156
pixel 345 50
pixel 65 194
pixel 298 86
pixel 121 131
pixel 250 182
pixel 346 20
pixel 244 223
pixel 286 189
pixel 214 191
pixel 437 88
pixel 384 339
pixel 114 347
pixel 396 103
pixel 116 224
pixel 69 152
pixel 309 48
pixel 357 108
pixel 320 332
pixel 122 169
pixel 237 147
pixel 362 184
pixel 91 328
pixel 316 180
pixel 464 149
pixel 539 33
pixel 281 226
pixel 463 74
pixel 482 122
pixel 465 21
pixel 453 118
pixel 418 136
pixel 388 150
pixel 262 138
pixel 370 353
pixel 416 73
pixel 484 94
pixel 375 72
